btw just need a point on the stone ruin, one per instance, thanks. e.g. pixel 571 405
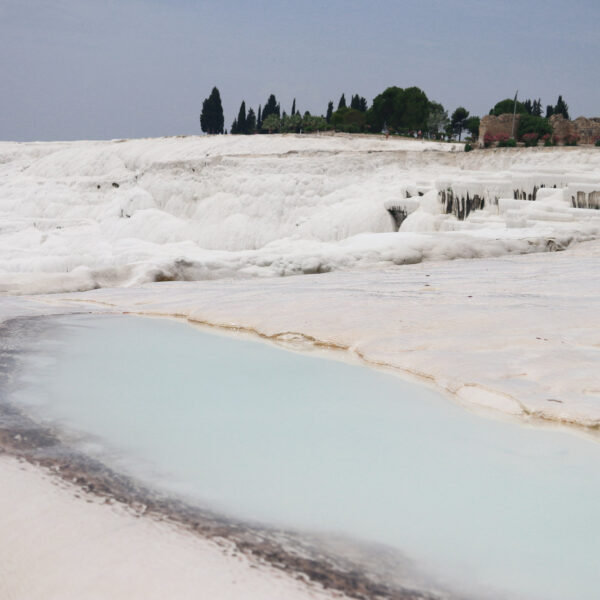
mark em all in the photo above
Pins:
pixel 502 125
pixel 588 130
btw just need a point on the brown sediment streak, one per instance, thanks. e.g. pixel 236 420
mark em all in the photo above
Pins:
pixel 275 337
pixel 299 555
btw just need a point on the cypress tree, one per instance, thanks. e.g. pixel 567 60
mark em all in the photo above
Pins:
pixel 259 118
pixel 293 107
pixel 211 117
pixel 561 108
pixel 528 106
pixel 234 127
pixel 536 111
pixel 342 102
pixel 355 102
pixel 363 104
pixel 329 111
pixel 549 111
pixel 251 122
pixel 241 119
pixel 271 108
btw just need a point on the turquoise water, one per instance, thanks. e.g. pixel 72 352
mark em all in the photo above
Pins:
pixel 261 433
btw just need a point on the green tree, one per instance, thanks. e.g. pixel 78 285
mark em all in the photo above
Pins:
pixel 561 108
pixel 507 107
pixel 329 111
pixel 241 118
pixel 399 110
pixel 386 109
pixel 291 123
pixel 293 107
pixel 536 110
pixel 313 123
pixel 437 119
pixel 259 118
pixel 528 106
pixel 234 127
pixel 342 102
pixel 250 122
pixel 358 103
pixel 349 120
pixel 533 124
pixel 549 111
pixel 416 109
pixel 271 123
pixel 458 120
pixel 211 117
pixel 271 108
pixel 472 125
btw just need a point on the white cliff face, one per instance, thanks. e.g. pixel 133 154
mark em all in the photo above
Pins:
pixel 80 215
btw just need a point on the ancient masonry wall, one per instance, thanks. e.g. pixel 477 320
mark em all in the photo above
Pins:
pixel 588 130
pixel 502 125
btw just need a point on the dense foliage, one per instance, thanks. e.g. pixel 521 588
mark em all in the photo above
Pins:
pixel 211 117
pixel 399 110
pixel 472 125
pixel 561 108
pixel 458 121
pixel 530 124
pixel 271 108
pixel 437 120
pixel 350 120
pixel 359 103
pixel 507 106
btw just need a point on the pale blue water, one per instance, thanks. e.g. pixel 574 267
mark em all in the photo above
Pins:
pixel 261 433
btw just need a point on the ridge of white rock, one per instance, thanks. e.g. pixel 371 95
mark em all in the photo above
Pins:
pixel 517 334
pixel 80 215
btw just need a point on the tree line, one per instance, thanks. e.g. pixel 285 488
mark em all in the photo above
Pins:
pixel 531 107
pixel 401 111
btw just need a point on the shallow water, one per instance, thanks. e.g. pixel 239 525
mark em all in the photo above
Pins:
pixel 261 433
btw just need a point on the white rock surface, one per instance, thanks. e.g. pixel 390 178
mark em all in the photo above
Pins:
pixel 59 543
pixel 520 334
pixel 80 215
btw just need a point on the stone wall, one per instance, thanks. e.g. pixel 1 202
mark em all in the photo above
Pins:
pixel 588 130
pixel 497 126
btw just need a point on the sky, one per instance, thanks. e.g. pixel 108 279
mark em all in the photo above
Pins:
pixel 105 69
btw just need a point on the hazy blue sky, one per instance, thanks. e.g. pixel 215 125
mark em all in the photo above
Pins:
pixel 121 68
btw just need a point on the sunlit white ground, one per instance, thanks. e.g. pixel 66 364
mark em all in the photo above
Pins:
pixel 56 545
pixel 255 432
pixel 78 215
pixel 519 334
